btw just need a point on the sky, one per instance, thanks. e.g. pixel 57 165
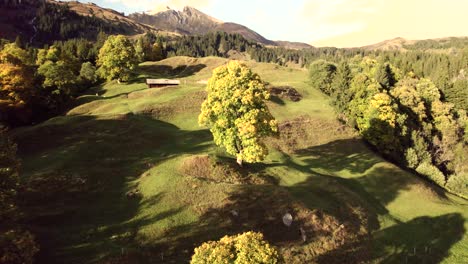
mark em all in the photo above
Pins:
pixel 338 23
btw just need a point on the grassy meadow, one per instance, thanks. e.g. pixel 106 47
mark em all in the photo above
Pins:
pixel 128 176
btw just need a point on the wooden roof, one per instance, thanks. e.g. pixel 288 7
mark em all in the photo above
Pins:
pixel 162 81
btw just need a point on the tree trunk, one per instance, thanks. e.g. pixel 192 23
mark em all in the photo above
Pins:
pixel 239 161
pixel 239 151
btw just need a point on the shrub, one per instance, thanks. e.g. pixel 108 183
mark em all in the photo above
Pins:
pixel 246 248
pixel 430 171
pixel 411 158
pixel 458 184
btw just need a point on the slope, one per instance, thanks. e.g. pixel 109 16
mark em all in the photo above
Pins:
pixel 128 176
pixel 391 44
pixel 44 21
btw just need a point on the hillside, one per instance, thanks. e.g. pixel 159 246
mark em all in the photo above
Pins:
pixel 106 14
pixel 402 44
pixel 44 21
pixel 293 45
pixel 128 176
pixel 392 44
pixel 16 20
pixel 191 21
pixel 247 33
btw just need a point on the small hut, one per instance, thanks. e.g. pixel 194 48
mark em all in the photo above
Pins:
pixel 158 83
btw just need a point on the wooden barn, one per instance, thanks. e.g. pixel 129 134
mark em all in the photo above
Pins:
pixel 157 83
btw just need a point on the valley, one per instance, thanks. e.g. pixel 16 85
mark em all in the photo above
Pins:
pixel 174 136
pixel 130 138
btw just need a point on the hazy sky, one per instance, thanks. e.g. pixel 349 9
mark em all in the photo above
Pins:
pixel 340 23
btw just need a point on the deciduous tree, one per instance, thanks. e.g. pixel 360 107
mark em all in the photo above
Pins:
pixel 246 248
pixel 236 112
pixel 117 58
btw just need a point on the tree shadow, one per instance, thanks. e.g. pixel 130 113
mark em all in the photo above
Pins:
pixel 356 158
pixel 277 100
pixel 165 71
pixel 421 240
pixel 360 199
pixel 346 154
pixel 248 208
pixel 81 171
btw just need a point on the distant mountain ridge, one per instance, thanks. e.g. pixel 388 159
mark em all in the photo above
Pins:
pixel 390 44
pixel 402 44
pixel 23 17
pixel 191 21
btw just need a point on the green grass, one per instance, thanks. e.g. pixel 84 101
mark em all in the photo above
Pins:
pixel 131 141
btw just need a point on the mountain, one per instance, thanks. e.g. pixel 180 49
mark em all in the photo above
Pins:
pixel 246 32
pixel 191 21
pixel 402 44
pixel 106 14
pixel 293 45
pixel 391 44
pixel 44 21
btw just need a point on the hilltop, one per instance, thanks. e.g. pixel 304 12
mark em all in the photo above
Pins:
pixel 391 44
pixel 401 44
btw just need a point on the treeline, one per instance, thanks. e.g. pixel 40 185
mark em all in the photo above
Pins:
pixel 403 115
pixel 449 43
pixel 36 84
pixel 220 44
pixel 212 44
pixel 39 83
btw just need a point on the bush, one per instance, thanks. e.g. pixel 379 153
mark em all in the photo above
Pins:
pixel 411 157
pixel 458 184
pixel 246 248
pixel 430 171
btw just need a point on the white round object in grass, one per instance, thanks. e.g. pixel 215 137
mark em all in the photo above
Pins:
pixel 287 219
pixel 234 213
